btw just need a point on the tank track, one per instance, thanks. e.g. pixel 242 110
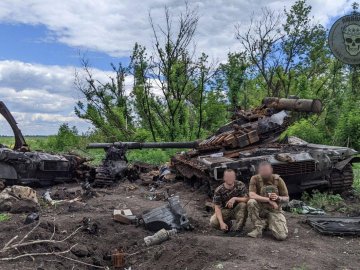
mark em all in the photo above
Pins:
pixel 342 180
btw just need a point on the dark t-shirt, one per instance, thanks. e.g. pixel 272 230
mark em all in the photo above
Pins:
pixel 222 195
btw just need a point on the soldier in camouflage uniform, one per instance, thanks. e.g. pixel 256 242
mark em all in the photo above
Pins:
pixel 230 204
pixel 267 191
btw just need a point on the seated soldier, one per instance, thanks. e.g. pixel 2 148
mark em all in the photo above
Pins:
pixel 230 204
pixel 267 191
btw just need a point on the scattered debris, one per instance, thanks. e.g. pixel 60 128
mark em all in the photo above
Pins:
pixel 47 197
pixel 159 237
pixel 300 207
pixel 18 199
pixel 170 216
pixel 156 196
pixel 114 167
pixel 118 259
pixel 130 187
pixel 165 174
pixel 2 185
pixel 124 216
pixel 149 177
pixel 335 225
pixel 89 226
pixel 31 218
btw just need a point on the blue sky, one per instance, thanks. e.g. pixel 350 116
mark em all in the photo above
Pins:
pixel 41 41
pixel 35 44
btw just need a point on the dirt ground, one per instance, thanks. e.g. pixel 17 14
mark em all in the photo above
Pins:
pixel 202 248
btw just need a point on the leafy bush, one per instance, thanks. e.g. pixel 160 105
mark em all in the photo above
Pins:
pixel 153 156
pixel 326 201
pixel 305 130
pixel 347 131
pixel 66 139
pixel 4 217
pixel 356 184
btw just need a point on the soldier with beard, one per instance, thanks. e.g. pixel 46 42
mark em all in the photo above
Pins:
pixel 267 191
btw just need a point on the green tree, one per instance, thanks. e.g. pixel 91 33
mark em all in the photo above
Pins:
pixel 106 105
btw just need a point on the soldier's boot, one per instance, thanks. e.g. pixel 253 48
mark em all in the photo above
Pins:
pixel 257 232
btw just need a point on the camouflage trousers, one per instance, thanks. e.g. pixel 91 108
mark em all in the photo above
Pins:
pixel 262 217
pixel 238 213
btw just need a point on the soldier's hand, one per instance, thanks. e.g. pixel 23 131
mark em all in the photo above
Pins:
pixel 273 204
pixel 231 202
pixel 224 227
pixel 274 196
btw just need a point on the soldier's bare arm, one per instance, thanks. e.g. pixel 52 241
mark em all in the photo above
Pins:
pixel 283 193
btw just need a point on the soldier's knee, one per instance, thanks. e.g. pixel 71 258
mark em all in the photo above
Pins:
pixel 242 206
pixel 251 203
pixel 214 222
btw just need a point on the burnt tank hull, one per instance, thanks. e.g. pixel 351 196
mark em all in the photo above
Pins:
pixel 303 166
pixel 22 166
pixel 38 168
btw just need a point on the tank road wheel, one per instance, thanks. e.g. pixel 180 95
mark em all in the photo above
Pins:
pixel 341 181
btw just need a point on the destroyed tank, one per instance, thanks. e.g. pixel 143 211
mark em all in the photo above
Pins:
pixel 252 137
pixel 21 166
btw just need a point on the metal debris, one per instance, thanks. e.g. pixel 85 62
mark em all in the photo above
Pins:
pixel 124 216
pixel 170 216
pixel 335 225
pixel 159 237
pixel 300 207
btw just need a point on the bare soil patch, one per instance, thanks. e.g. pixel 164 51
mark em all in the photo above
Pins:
pixel 202 248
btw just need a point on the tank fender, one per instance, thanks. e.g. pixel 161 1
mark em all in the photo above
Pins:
pixel 340 165
pixel 7 172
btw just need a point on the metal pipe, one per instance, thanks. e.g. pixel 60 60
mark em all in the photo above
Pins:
pixel 293 104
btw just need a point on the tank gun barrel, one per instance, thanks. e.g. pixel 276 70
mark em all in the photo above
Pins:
pixel 293 104
pixel 140 145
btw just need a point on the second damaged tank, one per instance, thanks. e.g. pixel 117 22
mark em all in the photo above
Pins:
pixel 21 166
pixel 252 137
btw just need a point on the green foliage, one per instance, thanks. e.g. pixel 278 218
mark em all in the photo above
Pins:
pixel 347 130
pixel 152 156
pixel 4 217
pixel 66 139
pixel 307 131
pixel 232 75
pixel 326 201
pixel 356 184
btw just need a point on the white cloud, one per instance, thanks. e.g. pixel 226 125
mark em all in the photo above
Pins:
pixel 113 26
pixel 41 97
